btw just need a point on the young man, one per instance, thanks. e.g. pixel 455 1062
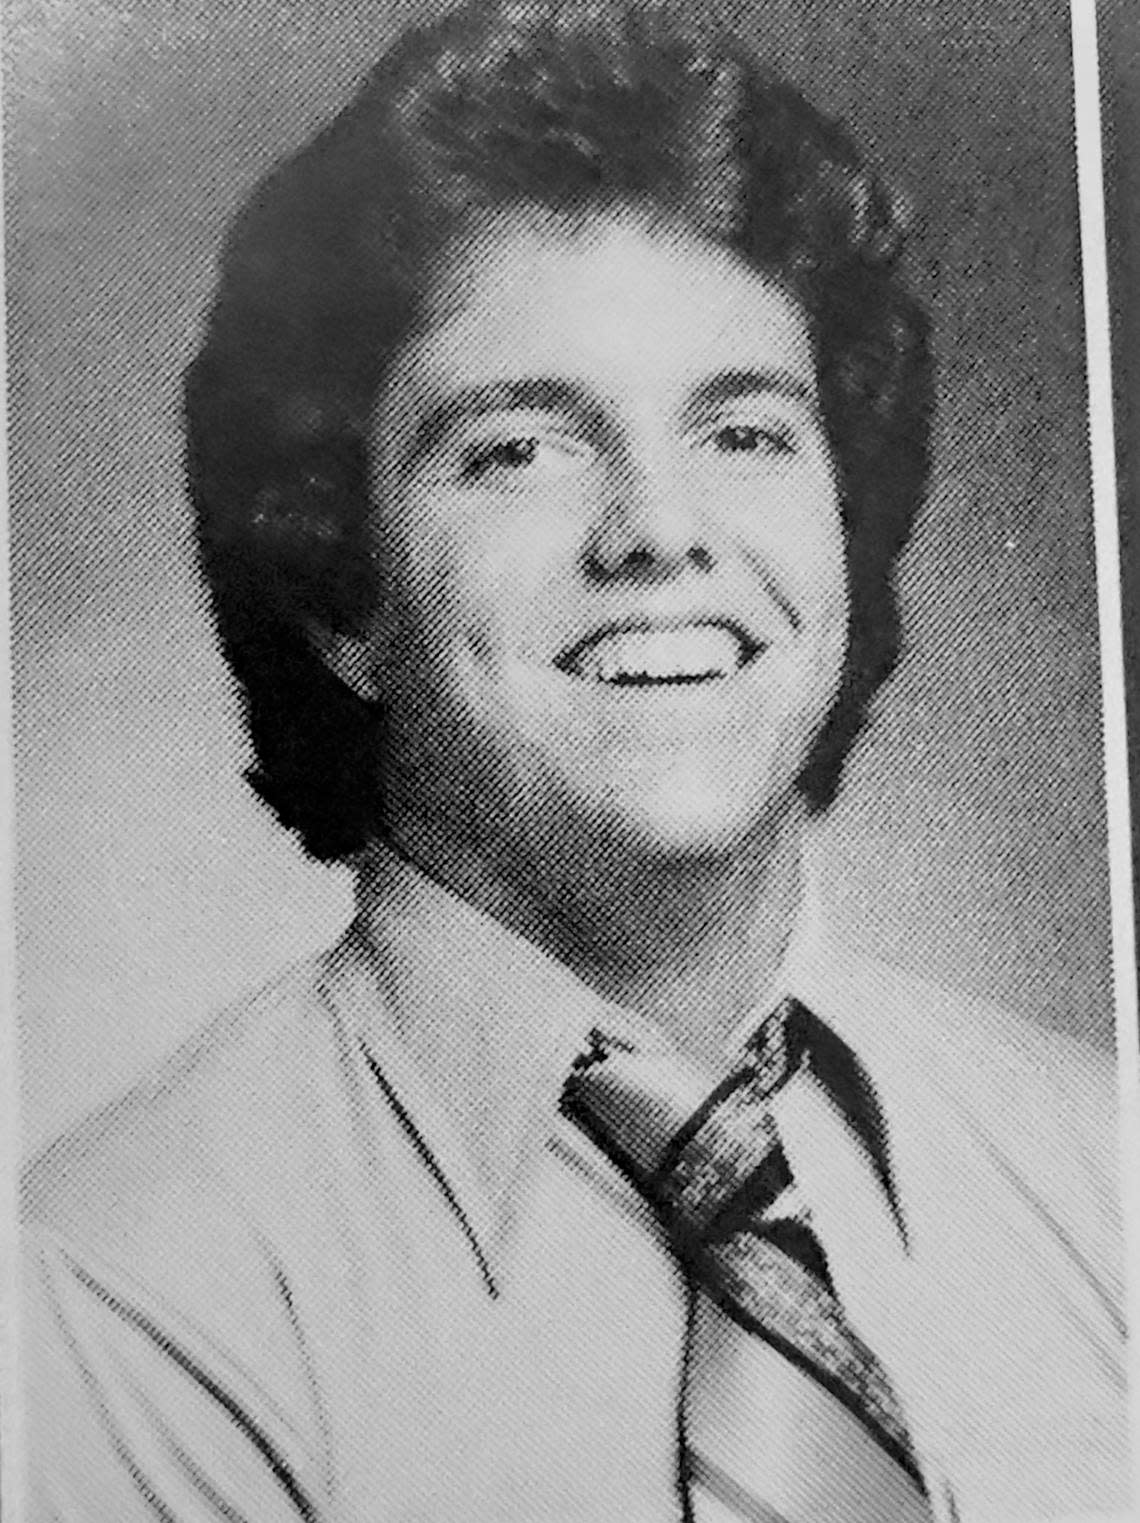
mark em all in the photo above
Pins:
pixel 559 422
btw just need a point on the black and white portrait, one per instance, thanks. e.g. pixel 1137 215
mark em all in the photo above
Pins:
pixel 564 922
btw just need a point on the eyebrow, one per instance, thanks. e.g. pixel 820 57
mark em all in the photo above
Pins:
pixel 731 385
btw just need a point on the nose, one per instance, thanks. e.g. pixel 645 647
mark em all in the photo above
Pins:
pixel 649 530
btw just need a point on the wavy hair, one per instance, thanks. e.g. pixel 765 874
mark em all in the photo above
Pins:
pixel 573 106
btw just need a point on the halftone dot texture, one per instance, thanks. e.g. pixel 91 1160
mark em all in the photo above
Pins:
pixel 970 837
pixel 969 841
pixel 729 1202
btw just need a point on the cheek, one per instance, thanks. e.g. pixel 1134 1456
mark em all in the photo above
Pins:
pixel 814 574
pixel 424 562
pixel 818 545
pixel 449 590
pixel 494 565
pixel 831 610
pixel 798 542
pixel 830 580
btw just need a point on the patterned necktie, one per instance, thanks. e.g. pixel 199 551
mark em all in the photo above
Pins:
pixel 834 1443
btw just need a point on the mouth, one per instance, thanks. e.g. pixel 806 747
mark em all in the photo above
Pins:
pixel 661 655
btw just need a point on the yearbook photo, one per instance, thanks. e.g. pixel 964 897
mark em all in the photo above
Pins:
pixel 572 902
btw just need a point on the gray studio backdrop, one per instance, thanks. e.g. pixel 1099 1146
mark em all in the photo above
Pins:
pixel 970 840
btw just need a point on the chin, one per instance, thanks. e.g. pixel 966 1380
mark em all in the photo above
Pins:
pixel 686 820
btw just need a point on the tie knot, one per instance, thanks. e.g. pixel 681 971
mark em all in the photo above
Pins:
pixel 773 1052
pixel 731 1140
pixel 689 1150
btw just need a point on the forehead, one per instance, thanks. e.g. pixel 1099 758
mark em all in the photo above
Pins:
pixel 616 301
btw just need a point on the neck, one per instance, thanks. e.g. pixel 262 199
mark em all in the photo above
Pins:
pixel 691 945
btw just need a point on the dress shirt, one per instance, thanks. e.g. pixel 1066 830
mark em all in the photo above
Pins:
pixel 341 1259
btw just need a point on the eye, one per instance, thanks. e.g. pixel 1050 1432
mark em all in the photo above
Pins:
pixel 508 459
pixel 500 455
pixel 753 439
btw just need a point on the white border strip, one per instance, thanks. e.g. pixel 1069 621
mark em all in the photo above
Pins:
pixel 11 1445
pixel 1094 266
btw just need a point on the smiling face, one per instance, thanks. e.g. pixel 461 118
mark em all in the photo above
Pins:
pixel 613 608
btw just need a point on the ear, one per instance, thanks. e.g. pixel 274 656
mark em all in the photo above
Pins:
pixel 351 658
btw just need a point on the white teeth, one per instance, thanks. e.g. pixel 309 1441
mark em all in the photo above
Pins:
pixel 663 655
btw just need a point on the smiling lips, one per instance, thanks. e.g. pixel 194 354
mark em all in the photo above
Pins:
pixel 653 654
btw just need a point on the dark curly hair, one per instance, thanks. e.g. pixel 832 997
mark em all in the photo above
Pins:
pixel 570 105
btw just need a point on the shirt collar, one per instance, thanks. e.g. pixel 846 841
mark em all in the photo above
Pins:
pixel 475 1029
pixel 804 956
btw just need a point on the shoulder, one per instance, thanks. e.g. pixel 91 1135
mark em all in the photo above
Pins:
pixel 992 1058
pixel 976 1091
pixel 979 1051
pixel 192 1145
pixel 161 1241
pixel 1004 1141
